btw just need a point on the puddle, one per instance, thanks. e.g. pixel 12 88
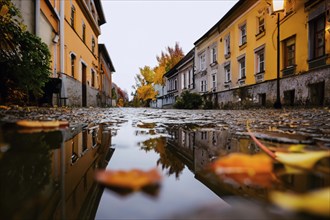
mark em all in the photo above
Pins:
pixel 50 174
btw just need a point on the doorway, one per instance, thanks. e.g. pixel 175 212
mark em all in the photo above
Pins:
pixel 84 84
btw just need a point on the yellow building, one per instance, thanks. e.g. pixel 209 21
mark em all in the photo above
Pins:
pixel 80 71
pixel 71 30
pixel 236 60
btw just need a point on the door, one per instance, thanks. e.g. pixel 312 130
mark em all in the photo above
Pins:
pixel 83 84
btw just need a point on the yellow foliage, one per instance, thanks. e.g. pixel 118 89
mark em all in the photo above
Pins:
pixel 315 202
pixel 146 92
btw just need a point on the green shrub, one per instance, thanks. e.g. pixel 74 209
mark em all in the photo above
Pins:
pixel 188 100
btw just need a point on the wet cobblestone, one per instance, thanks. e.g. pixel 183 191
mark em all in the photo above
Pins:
pixel 312 124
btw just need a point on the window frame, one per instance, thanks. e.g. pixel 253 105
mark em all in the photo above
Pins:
pixel 243 34
pixel 227 45
pixel 227 70
pixel 72 16
pixel 242 68
pixel 258 56
pixel 202 61
pixel 72 63
pixel 289 53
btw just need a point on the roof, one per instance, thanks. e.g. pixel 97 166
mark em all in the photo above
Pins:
pixel 217 27
pixel 104 51
pixel 174 69
pixel 99 9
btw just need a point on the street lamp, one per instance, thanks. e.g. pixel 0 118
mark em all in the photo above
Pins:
pixel 278 6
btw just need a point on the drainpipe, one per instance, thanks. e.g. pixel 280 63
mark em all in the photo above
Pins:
pixel 63 76
pixel 37 18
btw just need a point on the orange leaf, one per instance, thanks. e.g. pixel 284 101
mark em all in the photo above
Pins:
pixel 40 124
pixel 243 163
pixel 133 179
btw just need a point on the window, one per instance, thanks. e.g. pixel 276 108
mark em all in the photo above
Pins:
pixel 316 41
pixel 73 59
pixel 261 24
pixel 202 61
pixel 93 78
pixel 191 79
pixel 242 29
pixel 241 63
pixel 214 81
pixel 319 37
pixel 213 55
pixel 289 52
pixel 227 45
pixel 84 32
pixel 93 45
pixel 73 10
pixel 203 86
pixel 227 73
pixel 260 61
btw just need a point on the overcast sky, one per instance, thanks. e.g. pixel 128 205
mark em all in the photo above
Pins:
pixel 137 31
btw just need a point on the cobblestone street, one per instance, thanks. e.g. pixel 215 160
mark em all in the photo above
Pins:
pixel 307 125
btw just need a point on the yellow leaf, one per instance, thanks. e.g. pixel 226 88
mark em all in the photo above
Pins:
pixel 315 202
pixel 304 160
pixel 297 148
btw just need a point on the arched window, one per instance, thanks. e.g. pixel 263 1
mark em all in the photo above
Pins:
pixel 73 60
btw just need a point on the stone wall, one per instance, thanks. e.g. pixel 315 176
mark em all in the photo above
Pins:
pixel 74 93
pixel 74 90
pixel 306 89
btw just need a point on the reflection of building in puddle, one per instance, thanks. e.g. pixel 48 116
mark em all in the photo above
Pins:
pixel 62 173
pixel 199 147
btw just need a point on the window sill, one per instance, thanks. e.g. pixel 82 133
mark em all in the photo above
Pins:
pixel 213 63
pixel 241 81
pixel 259 77
pixel 227 55
pixel 242 46
pixel 260 34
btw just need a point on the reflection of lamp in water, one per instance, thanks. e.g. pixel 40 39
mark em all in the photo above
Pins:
pixel 278 6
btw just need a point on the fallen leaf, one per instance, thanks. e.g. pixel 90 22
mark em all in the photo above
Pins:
pixel 4 107
pixel 29 123
pixel 315 202
pixel 243 163
pixel 40 124
pixel 305 160
pixel 133 179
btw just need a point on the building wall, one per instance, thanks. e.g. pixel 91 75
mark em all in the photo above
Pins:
pixel 106 82
pixel 302 85
pixel 81 47
pixel 205 47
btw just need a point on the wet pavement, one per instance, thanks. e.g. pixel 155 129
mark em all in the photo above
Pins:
pixel 50 173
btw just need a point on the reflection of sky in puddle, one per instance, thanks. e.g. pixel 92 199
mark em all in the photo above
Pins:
pixel 175 194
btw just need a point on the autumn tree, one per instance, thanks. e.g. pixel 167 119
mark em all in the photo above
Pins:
pixel 144 85
pixel 148 77
pixel 166 61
